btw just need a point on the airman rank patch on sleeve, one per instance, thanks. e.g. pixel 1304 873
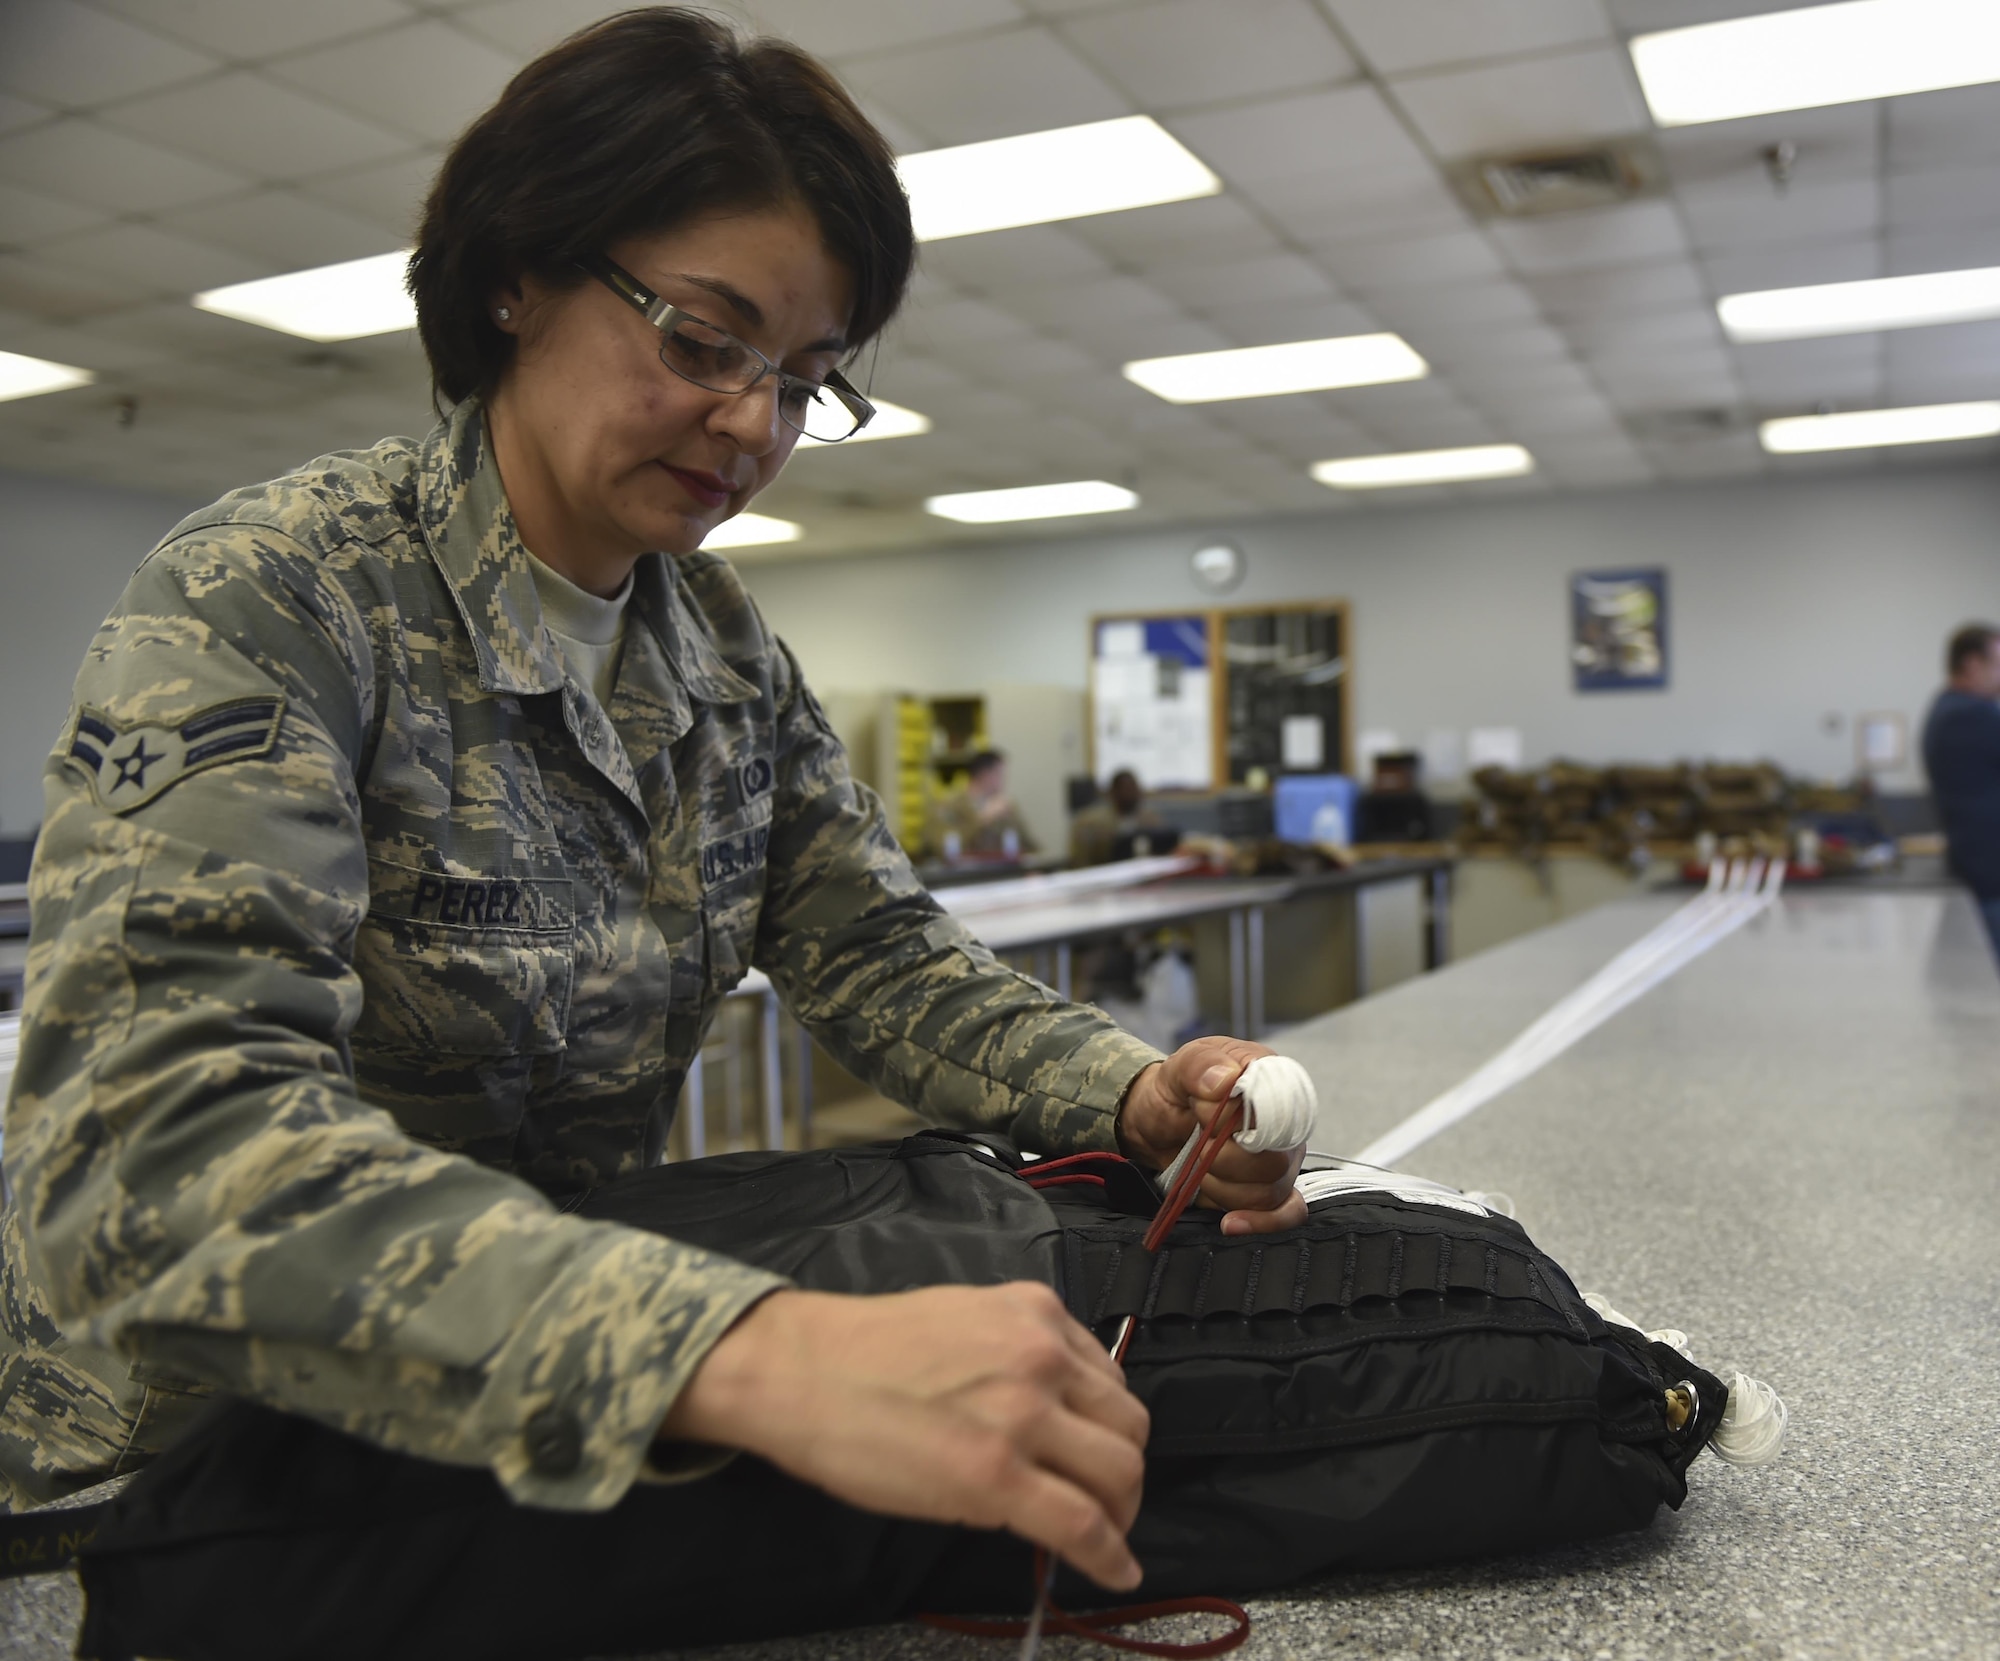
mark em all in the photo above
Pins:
pixel 129 765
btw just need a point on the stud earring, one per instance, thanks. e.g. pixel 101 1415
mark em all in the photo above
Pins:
pixel 503 314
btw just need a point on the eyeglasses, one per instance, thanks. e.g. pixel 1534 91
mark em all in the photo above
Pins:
pixel 825 411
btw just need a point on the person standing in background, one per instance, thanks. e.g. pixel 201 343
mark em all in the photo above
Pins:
pixel 982 819
pixel 1121 811
pixel 1962 757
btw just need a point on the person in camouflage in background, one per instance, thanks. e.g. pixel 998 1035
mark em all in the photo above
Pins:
pixel 374 914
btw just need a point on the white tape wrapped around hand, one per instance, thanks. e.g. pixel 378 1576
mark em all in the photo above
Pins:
pixel 1280 1108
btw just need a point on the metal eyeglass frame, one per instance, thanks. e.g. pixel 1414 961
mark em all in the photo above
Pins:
pixel 665 317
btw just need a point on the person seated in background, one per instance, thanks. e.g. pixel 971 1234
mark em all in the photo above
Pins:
pixel 1119 815
pixel 1962 756
pixel 982 819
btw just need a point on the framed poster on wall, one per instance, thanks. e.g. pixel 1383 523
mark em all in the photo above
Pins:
pixel 1618 630
pixel 1151 697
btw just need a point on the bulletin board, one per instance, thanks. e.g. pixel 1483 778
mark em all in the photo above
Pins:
pixel 1284 690
pixel 1194 700
pixel 1152 699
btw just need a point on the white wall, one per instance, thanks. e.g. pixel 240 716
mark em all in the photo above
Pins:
pixel 66 550
pixel 1791 602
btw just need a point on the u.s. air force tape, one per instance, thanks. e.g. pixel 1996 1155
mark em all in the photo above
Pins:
pixel 128 763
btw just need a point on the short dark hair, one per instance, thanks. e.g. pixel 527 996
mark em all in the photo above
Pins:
pixel 1975 640
pixel 639 123
pixel 982 762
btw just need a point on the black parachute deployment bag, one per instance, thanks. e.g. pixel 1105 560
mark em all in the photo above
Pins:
pixel 1403 1380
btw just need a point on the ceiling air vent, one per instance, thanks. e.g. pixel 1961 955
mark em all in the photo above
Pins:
pixel 1521 186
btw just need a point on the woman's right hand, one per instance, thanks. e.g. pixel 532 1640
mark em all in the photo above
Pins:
pixel 983 1405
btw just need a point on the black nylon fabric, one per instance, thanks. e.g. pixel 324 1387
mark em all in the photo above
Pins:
pixel 1390 1384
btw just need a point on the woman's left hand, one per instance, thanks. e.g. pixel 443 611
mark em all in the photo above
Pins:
pixel 1169 1098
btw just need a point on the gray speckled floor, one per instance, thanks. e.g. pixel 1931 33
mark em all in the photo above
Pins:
pixel 1793 1152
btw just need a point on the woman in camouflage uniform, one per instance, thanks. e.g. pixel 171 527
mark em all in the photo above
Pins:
pixel 416 810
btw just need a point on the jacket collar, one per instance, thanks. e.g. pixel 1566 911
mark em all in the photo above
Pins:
pixel 466 523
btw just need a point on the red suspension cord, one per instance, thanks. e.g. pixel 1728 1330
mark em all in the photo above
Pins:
pixel 1100 1625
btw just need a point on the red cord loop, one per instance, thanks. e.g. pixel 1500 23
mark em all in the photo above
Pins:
pixel 1100 1624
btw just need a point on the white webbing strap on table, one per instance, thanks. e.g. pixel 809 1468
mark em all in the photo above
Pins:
pixel 1734 895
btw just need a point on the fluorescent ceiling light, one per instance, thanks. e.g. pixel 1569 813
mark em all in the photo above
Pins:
pixel 752 530
pixel 1064 173
pixel 25 377
pixel 1035 501
pixel 1857 308
pixel 1268 371
pixel 1799 60
pixel 329 302
pixel 1479 461
pixel 1866 429
pixel 891 421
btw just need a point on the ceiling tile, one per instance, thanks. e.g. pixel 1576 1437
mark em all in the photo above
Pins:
pixel 857 26
pixel 1942 129
pixel 1976 344
pixel 1029 357
pixel 1748 213
pixel 1000 260
pixel 1573 415
pixel 77 158
pixel 1794 376
pixel 1486 307
pixel 58 293
pixel 1678 327
pixel 1020 81
pixel 30 217
pixel 165 263
pixel 1333 209
pixel 1455 257
pixel 1157 337
pixel 1620 291
pixel 1173 53
pixel 245 30
pixel 1840 143
pixel 528 28
pixel 1397 36
pixel 1155 238
pixel 1275 322
pixel 1733 456
pixel 71 57
pixel 281 229
pixel 1237 283
pixel 426 79
pixel 1524 104
pixel 1944 200
pixel 390 195
pixel 1346 129
pixel 1910 252
pixel 1079 309
pixel 1818 262
pixel 1628 235
pixel 253 126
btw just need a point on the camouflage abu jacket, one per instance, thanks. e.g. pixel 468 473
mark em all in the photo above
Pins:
pixel 361 930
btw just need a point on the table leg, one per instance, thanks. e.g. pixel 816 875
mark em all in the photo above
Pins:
pixel 1255 953
pixel 773 1079
pixel 1063 968
pixel 803 1049
pixel 1239 999
pixel 1437 939
pixel 694 1106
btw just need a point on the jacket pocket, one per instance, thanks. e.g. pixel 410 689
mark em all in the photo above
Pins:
pixel 466 985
